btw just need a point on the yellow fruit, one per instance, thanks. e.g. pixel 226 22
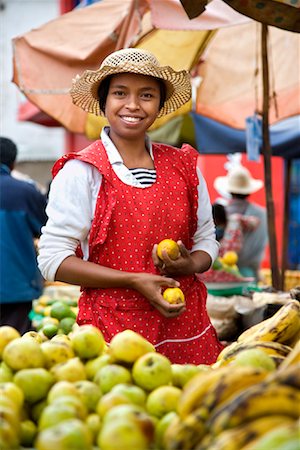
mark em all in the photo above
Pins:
pixel 230 258
pixel 173 295
pixel 171 248
pixel 7 334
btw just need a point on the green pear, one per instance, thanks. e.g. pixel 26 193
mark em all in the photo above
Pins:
pixel 127 346
pixel 152 370
pixel 23 353
pixel 87 341
pixel 35 383
pixel 56 352
pixel 71 370
pixel 89 392
pixel 69 434
pixel 93 365
pixel 163 400
pixel 113 374
pixel 6 374
pixel 7 334
pixel 135 394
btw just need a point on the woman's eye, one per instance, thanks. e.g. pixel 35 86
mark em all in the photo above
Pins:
pixel 119 93
pixel 147 95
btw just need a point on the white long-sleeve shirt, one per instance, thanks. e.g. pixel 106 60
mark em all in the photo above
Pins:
pixel 72 202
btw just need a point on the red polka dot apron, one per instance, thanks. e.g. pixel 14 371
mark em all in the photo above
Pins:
pixel 128 222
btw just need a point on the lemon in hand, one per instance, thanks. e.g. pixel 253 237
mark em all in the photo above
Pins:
pixel 171 248
pixel 173 295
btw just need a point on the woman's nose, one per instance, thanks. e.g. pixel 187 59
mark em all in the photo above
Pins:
pixel 133 102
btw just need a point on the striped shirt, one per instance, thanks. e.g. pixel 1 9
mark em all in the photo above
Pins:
pixel 145 176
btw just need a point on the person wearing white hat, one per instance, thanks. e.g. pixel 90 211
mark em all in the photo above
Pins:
pixel 240 184
pixel 113 202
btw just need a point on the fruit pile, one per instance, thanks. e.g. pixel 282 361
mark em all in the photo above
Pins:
pixel 223 270
pixel 76 392
pixel 54 315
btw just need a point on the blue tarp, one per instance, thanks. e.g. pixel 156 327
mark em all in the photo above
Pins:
pixel 215 138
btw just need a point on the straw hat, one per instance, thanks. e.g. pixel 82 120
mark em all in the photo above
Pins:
pixel 238 181
pixel 85 86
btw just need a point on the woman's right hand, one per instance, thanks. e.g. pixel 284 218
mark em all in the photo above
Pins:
pixel 150 286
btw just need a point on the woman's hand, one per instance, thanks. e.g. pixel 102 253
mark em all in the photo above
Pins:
pixel 150 286
pixel 187 263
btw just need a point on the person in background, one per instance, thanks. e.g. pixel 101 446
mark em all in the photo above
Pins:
pixel 115 200
pixel 22 215
pixel 220 219
pixel 247 221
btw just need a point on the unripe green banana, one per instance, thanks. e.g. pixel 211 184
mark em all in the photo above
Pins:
pixel 285 437
pixel 257 401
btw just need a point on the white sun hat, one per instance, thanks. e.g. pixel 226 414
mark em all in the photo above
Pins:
pixel 238 181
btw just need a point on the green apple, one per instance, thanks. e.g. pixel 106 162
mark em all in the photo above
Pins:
pixel 71 370
pixel 182 373
pixel 23 353
pixel 122 434
pixel 163 400
pixel 127 346
pixel 87 341
pixel 9 439
pixel 152 370
pixel 93 365
pixel 79 405
pixel 55 413
pixel 6 374
pixel 35 383
pixel 89 392
pixel 37 409
pixel 93 423
pixel 109 401
pixel 12 391
pixel 69 434
pixel 56 352
pixel 61 388
pixel 135 394
pixel 161 426
pixel 7 334
pixel 28 433
pixel 113 374
pixel 134 414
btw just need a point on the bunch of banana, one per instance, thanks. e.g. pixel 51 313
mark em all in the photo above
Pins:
pixel 289 375
pixel 217 386
pixel 236 438
pixel 284 437
pixel 292 358
pixel 262 399
pixel 272 348
pixel 283 326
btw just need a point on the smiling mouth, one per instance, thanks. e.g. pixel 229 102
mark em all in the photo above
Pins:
pixel 131 119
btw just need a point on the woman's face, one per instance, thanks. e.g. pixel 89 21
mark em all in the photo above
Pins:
pixel 132 104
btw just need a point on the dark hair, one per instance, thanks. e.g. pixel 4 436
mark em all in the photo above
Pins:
pixel 104 87
pixel 8 151
pixel 239 196
pixel 219 214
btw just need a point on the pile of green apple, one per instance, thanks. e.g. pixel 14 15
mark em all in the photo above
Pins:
pixel 76 392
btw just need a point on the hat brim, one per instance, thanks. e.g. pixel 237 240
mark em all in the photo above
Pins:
pixel 84 90
pixel 221 185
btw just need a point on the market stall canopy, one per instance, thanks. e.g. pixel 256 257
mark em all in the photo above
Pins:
pixel 82 38
pixel 283 14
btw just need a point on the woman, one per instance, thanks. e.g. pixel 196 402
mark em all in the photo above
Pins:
pixel 114 201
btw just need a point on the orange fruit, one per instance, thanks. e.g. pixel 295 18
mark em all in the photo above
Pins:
pixel 170 246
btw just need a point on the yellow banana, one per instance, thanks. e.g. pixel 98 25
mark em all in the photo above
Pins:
pixel 289 375
pixel 246 335
pixel 271 348
pixel 257 401
pixel 236 438
pixel 195 389
pixel 292 358
pixel 283 437
pixel 184 434
pixel 232 381
pixel 281 327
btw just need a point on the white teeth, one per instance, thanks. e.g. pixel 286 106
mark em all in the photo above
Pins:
pixel 131 119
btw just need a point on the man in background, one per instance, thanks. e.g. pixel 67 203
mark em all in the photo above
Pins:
pixel 22 214
pixel 247 216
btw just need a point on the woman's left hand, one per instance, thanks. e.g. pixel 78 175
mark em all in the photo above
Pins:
pixel 183 265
